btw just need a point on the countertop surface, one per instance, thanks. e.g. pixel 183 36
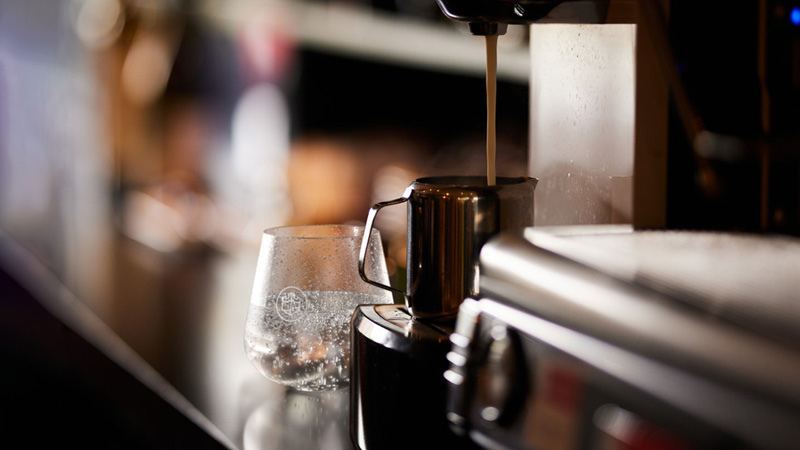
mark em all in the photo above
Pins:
pixel 175 322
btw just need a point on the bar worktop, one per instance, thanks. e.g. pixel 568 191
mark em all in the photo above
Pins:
pixel 159 364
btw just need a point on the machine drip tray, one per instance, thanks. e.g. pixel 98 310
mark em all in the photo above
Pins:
pixel 398 391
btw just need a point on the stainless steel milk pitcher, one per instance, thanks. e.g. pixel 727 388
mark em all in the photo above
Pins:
pixel 449 220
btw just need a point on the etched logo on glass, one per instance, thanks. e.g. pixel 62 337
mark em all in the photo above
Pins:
pixel 291 304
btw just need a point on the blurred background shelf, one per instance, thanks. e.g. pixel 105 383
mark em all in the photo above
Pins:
pixel 418 36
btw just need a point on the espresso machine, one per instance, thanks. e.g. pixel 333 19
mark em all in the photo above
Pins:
pixel 400 353
pixel 653 334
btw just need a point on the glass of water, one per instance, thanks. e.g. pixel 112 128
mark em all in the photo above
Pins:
pixel 306 288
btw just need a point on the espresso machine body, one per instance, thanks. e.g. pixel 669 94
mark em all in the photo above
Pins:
pixel 613 338
pixel 573 347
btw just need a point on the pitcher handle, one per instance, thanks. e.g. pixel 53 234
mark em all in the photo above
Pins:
pixel 362 255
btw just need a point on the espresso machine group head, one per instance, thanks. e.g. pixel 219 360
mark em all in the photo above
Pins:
pixel 492 17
